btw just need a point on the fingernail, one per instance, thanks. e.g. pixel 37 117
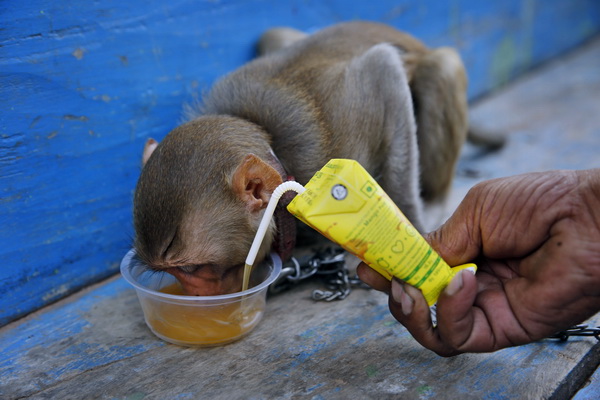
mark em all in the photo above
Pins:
pixel 400 296
pixel 455 284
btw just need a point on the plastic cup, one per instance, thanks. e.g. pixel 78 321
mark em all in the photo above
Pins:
pixel 199 320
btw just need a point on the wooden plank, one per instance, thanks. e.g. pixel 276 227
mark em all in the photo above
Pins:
pixel 591 390
pixel 83 84
pixel 96 345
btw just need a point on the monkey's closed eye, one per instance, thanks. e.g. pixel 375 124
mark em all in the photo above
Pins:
pixel 189 269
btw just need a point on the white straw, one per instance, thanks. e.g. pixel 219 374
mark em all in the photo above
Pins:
pixel 266 219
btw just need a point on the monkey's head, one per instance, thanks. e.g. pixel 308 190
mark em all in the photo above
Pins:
pixel 199 201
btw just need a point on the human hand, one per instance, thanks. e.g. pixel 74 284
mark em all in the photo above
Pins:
pixel 536 241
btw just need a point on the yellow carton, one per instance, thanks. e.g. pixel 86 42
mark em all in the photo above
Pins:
pixel 345 204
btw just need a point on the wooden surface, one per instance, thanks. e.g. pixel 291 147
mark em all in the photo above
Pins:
pixel 84 83
pixel 95 344
pixel 591 388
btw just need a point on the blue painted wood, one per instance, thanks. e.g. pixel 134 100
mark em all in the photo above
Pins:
pixel 591 391
pixel 97 346
pixel 83 84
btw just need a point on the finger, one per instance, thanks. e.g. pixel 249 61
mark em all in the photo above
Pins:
pixel 456 314
pixel 475 316
pixel 409 307
pixel 459 239
pixel 372 278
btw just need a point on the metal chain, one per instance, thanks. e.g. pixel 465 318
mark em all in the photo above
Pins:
pixel 329 264
pixel 577 330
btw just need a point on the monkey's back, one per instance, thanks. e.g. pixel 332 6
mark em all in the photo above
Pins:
pixel 343 42
pixel 290 92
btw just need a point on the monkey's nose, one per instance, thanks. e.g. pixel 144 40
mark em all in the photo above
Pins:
pixel 205 281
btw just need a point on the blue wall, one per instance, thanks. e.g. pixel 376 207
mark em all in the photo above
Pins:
pixel 83 84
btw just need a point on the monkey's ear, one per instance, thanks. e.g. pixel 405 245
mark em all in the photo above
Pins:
pixel 254 181
pixel 149 148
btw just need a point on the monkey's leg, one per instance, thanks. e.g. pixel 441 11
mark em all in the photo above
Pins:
pixel 277 38
pixel 439 88
pixel 377 118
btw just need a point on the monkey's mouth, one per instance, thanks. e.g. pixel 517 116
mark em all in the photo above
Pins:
pixel 208 280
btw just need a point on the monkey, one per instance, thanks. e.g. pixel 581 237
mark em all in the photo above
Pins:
pixel 359 90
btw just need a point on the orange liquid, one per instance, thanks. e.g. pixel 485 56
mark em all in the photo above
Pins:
pixel 206 325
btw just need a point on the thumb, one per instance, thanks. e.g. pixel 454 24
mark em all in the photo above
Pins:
pixel 459 239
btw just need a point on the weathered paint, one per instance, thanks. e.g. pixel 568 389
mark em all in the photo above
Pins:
pixel 591 390
pixel 83 84
pixel 97 346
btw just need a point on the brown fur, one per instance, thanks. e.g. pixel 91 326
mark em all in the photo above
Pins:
pixel 355 90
